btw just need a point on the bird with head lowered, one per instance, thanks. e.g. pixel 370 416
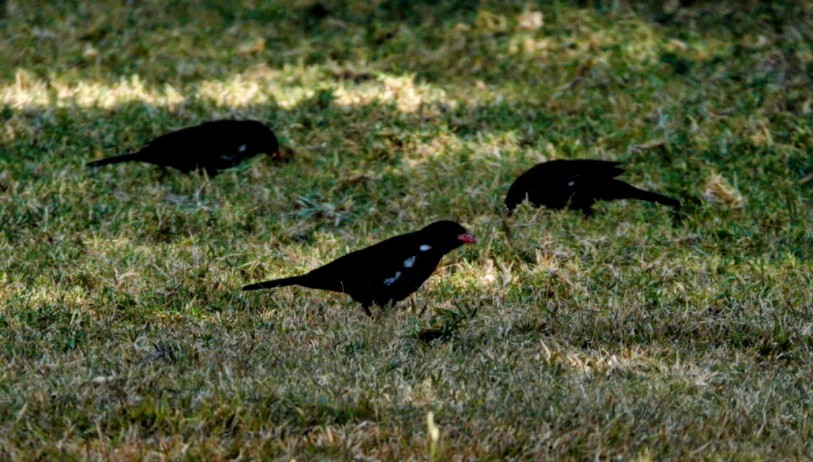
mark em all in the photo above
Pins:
pixel 211 147
pixel 577 185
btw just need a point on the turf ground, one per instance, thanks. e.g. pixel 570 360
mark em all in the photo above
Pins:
pixel 123 334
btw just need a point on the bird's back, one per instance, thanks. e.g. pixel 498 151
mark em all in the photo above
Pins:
pixel 558 170
pixel 200 146
pixel 388 271
pixel 554 183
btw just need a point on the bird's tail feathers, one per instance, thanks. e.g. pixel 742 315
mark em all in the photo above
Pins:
pixel 113 160
pixel 623 190
pixel 291 281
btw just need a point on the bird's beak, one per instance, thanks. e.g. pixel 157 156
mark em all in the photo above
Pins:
pixel 282 155
pixel 466 238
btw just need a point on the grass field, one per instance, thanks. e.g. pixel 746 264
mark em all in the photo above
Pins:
pixel 123 333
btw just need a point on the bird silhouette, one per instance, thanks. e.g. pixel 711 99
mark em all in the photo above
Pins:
pixel 577 185
pixel 211 146
pixel 384 273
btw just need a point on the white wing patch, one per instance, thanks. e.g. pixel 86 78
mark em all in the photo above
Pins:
pixel 409 262
pixel 571 183
pixel 425 247
pixel 242 148
pixel 390 281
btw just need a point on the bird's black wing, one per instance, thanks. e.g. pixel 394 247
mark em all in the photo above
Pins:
pixel 553 183
pixel 380 273
pixel 370 263
pixel 192 148
pixel 589 168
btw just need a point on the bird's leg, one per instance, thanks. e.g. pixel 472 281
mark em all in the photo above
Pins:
pixel 413 302
pixel 367 310
pixel 506 226
pixel 423 310
pixel 199 191
pixel 677 217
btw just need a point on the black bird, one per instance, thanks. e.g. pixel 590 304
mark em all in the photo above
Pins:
pixel 386 272
pixel 576 184
pixel 211 146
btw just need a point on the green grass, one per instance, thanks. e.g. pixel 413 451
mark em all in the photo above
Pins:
pixel 123 334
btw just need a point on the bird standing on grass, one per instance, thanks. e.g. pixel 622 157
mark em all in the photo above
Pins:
pixel 211 146
pixel 577 185
pixel 386 272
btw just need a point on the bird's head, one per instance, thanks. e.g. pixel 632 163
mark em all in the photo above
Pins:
pixel 445 236
pixel 517 193
pixel 263 140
